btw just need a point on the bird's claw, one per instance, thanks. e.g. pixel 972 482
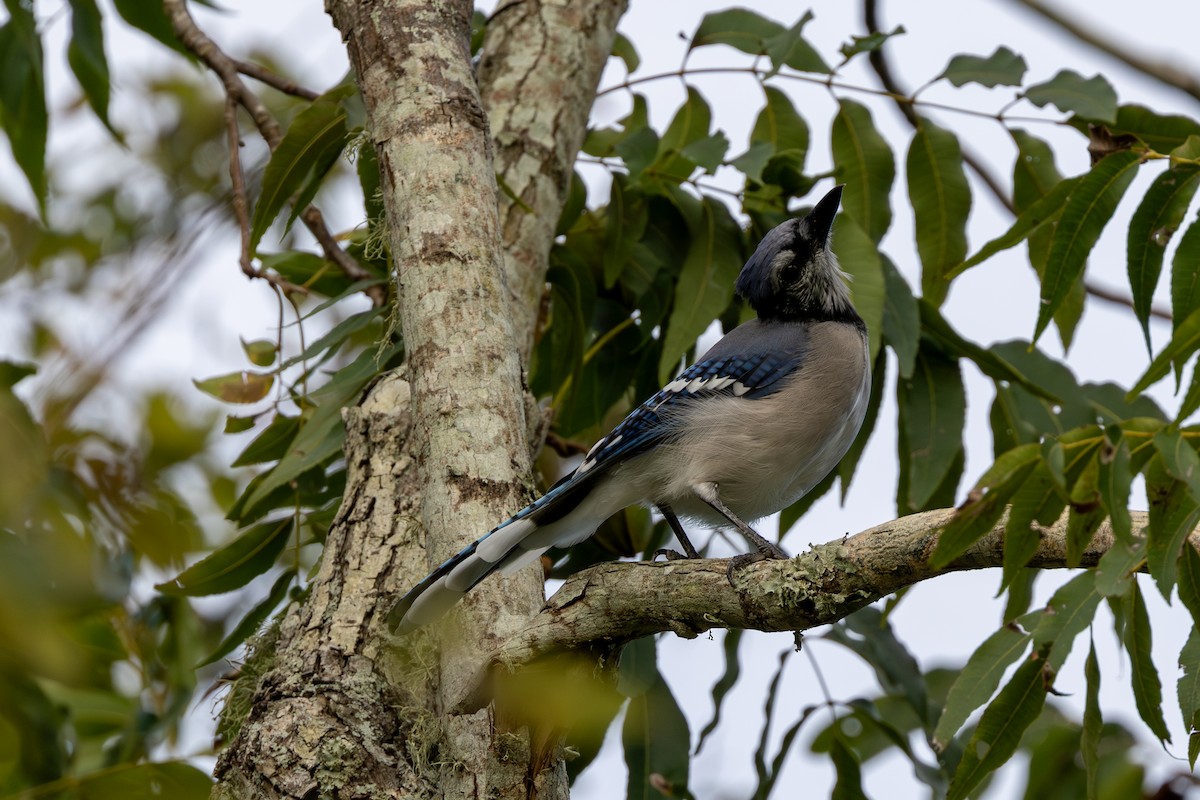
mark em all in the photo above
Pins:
pixel 738 562
pixel 671 555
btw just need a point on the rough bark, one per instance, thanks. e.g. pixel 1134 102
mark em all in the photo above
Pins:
pixel 435 462
pixel 538 75
pixel 600 609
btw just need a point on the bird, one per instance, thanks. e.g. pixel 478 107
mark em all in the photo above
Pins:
pixel 748 429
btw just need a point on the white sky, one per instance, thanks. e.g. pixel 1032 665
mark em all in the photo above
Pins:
pixel 941 621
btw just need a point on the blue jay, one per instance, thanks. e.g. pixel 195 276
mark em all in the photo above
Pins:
pixel 755 423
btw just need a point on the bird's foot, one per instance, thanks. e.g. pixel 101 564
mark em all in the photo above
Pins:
pixel 766 550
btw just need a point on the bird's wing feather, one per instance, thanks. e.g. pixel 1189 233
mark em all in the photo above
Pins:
pixel 750 375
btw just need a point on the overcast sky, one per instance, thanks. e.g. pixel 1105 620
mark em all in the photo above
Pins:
pixel 943 620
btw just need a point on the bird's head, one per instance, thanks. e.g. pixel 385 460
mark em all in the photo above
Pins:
pixel 793 275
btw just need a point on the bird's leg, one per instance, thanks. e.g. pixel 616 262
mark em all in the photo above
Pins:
pixel 688 550
pixel 708 493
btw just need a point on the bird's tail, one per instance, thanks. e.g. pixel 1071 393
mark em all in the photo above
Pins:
pixel 519 541
pixel 446 585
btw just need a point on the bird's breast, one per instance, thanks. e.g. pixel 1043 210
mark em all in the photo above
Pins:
pixel 765 454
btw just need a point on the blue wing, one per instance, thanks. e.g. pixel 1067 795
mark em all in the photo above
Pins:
pixel 749 362
pixel 727 370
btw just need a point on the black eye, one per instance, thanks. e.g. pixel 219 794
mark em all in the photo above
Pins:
pixel 790 272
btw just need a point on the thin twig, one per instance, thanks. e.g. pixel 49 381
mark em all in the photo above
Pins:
pixel 883 70
pixel 831 84
pixel 238 180
pixel 1161 71
pixel 264 75
pixel 227 69
pixel 241 207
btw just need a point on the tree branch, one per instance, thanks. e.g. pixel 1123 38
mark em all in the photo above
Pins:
pixel 1158 70
pixel 905 102
pixel 610 604
pixel 228 70
pixel 540 66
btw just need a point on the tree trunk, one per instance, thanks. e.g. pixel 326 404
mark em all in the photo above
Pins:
pixel 439 454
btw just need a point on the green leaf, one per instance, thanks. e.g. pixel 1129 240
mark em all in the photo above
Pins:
pixel 1034 171
pixel 978 680
pixel 868 633
pixel 623 49
pixel 1191 399
pixel 330 342
pixel 901 318
pixel 322 434
pixel 234 565
pixel 781 127
pixel 1087 510
pixel 1034 176
pixel 941 202
pixel 1070 610
pixel 85 54
pixel 1028 222
pixel 23 96
pixel 733 669
pixel 862 261
pixel 1160 132
pixel 990 363
pixel 1158 215
pixel 1084 216
pixel 1179 458
pixel 1188 690
pixel 656 739
pixel 1037 499
pixel 849 772
pixel 1147 689
pixel 1173 488
pixel 739 28
pixel 985 503
pixel 707 153
pixel 261 352
pixel 1184 342
pixel 752 33
pixel 316 273
pixel 1189 582
pixel 602 142
pixel 690 124
pixel 624 223
pixel 867 44
pixel 1000 728
pixel 253 620
pixel 849 463
pixel 304 150
pixel 149 17
pixel 237 387
pixel 791 49
pixel 1115 481
pixel 1091 98
pixel 933 409
pixel 1093 722
pixel 271 444
pixel 1185 275
pixel 1001 68
pixel 706 280
pixel 1115 571
pixel 173 779
pixel 863 161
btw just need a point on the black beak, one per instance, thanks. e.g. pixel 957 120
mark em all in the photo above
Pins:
pixel 820 219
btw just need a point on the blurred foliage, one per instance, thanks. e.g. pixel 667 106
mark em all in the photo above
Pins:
pixel 98 668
